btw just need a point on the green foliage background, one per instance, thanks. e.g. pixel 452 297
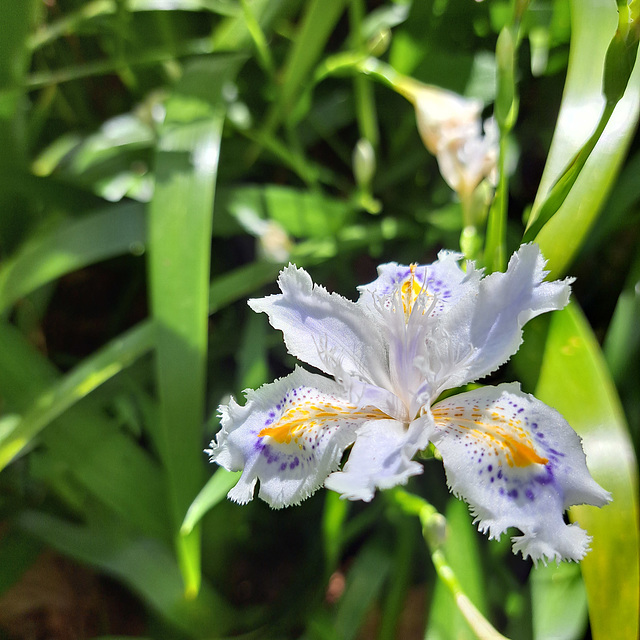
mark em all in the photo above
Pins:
pixel 161 161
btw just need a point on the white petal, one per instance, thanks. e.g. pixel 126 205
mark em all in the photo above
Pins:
pixel 289 435
pixel 518 463
pixel 441 114
pixel 380 458
pixel 324 329
pixel 484 328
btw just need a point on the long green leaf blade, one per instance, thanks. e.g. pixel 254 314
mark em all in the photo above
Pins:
pixel 69 389
pixel 575 381
pixel 593 25
pixel 179 261
pixel 84 443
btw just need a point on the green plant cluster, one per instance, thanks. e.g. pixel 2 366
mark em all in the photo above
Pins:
pixel 160 162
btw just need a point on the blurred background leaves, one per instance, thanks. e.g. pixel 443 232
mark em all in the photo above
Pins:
pixel 161 161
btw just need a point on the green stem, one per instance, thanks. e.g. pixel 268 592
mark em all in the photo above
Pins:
pixel 495 254
pixel 434 532
pixel 363 91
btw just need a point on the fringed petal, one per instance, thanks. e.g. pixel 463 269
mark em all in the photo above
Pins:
pixel 517 463
pixel 324 329
pixel 289 435
pixel 483 330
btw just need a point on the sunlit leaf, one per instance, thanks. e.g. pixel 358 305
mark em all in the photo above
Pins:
pixel 575 381
pixel 593 25
pixel 71 246
pixel 559 602
pixel 84 442
pixel 179 262
pixel 74 386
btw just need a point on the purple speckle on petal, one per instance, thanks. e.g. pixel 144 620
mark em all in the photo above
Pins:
pixel 513 493
pixel 529 494
pixel 547 478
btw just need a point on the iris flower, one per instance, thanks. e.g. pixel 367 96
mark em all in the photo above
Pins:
pixel 452 130
pixel 415 332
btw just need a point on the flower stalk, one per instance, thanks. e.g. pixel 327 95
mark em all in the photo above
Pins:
pixel 434 533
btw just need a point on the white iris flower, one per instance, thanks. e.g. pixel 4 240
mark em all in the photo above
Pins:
pixel 415 332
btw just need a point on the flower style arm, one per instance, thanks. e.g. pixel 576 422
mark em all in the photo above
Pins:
pixel 518 463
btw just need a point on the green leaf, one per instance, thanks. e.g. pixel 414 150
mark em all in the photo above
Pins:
pixel 575 381
pixel 317 25
pixel 622 342
pixel 72 245
pixel 84 442
pixel 559 602
pixel 143 564
pixel 16 20
pixel 210 495
pixel 233 34
pixel 180 217
pixel 73 21
pixel 69 389
pixel 593 25
pixel 303 214
pixel 364 582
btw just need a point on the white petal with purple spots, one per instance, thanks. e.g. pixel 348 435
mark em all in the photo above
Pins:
pixel 517 463
pixel 289 435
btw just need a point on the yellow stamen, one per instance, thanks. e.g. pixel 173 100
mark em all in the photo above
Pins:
pixel 410 290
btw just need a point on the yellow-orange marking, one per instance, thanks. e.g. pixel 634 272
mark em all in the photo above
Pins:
pixel 297 420
pixel 502 432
